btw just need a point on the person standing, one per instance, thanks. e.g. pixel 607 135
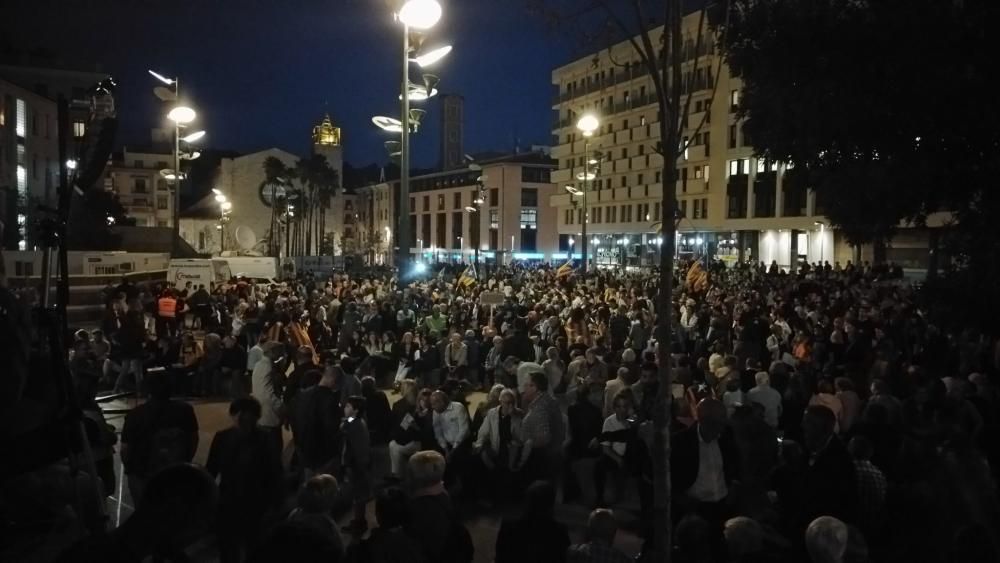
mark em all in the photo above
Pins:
pixel 316 424
pixel 356 460
pixel 543 427
pixel 265 387
pixel 157 434
pixel 451 429
pixel 248 467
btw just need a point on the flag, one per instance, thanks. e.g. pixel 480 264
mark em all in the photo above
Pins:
pixel 566 270
pixel 469 277
pixel 697 278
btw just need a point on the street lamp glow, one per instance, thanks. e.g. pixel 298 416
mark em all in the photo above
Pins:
pixel 192 137
pixel 161 78
pixel 420 14
pixel 588 124
pixel 571 241
pixel 220 198
pixel 433 56
pixel 217 191
pixel 71 164
pixel 182 114
pixel 419 93
pixel 586 176
pixel 390 124
pixel 226 205
pixel 573 191
pixel 470 209
pixel 596 241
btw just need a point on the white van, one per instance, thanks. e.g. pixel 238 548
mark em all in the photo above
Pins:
pixel 255 268
pixel 198 271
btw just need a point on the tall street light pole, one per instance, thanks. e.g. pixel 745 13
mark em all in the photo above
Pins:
pixel 419 15
pixel 587 125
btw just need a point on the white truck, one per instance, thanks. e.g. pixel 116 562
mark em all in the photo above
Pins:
pixel 256 268
pixel 199 271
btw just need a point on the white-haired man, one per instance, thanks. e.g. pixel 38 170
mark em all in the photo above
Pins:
pixel 767 397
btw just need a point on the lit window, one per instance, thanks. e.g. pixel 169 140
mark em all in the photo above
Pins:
pixel 494 218
pixel 734 167
pixel 529 219
pixel 21 119
pixel 79 129
pixel 22 181
pixel 706 173
pixel 734 99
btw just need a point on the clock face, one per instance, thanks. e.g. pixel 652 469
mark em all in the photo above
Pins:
pixel 269 193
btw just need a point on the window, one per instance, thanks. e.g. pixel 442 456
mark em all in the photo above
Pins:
pixel 642 150
pixel 656 211
pixel 494 219
pixel 704 208
pixel 697 209
pixel 21 118
pixel 457 200
pixel 624 182
pixel 427 203
pixel 139 164
pixel 684 179
pixel 639 179
pixel 732 136
pixel 161 202
pixel 734 100
pixel 624 125
pixel 683 208
pixel 161 223
pixel 139 185
pixel 697 172
pixel 579 216
pixel 24 268
pixel 612 214
pixel 642 118
pixel 624 152
pixel 658 176
pixel 529 197
pixel 568 217
pixel 706 140
pixel 201 240
pixel 80 129
pixel 457 231
pixel 529 219
pixel 440 202
pixel 441 230
pixel 494 197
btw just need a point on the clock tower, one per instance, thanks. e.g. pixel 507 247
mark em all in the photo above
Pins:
pixel 340 223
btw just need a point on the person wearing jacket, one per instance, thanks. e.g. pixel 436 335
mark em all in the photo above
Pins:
pixel 357 460
pixel 500 445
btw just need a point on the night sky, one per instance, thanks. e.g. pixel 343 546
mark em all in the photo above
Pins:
pixel 262 72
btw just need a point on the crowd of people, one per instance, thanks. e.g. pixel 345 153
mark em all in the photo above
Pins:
pixel 818 415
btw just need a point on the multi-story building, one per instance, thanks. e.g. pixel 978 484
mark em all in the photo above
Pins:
pixel 134 176
pixel 29 141
pixel 731 204
pixel 29 162
pixel 514 219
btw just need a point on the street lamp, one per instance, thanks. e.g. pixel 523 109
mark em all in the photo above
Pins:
pixel 181 115
pixel 414 15
pixel 587 124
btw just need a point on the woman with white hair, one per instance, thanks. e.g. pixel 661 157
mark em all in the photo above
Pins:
pixel 555 370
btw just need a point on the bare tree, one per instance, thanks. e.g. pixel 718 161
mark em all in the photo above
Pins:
pixel 654 29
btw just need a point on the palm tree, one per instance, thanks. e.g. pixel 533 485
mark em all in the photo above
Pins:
pixel 277 182
pixel 320 183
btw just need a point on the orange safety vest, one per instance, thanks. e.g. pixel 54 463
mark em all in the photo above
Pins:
pixel 167 307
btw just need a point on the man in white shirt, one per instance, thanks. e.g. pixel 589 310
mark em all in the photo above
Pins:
pixel 613 452
pixel 704 462
pixel 613 388
pixel 263 389
pixel 767 397
pixel 451 430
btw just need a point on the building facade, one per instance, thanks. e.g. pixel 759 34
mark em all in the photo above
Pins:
pixel 732 205
pixel 134 176
pixel 29 162
pixel 513 220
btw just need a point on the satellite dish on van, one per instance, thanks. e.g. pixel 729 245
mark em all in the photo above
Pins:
pixel 245 237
